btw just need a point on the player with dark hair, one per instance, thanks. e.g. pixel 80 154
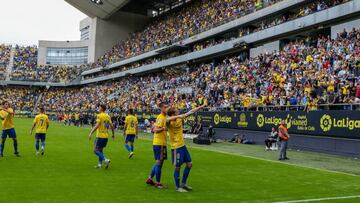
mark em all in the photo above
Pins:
pixel 8 130
pixel 130 132
pixel 41 123
pixel 179 152
pixel 159 147
pixel 103 123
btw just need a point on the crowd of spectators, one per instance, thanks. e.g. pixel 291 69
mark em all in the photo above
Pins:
pixel 197 16
pixel 22 98
pixel 4 59
pixel 48 73
pixel 246 30
pixel 5 53
pixel 26 68
pixel 308 73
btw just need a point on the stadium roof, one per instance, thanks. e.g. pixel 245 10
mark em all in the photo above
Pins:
pixel 104 9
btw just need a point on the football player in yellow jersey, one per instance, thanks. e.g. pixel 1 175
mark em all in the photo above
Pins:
pixel 77 119
pixel 7 115
pixel 103 122
pixel 65 118
pixel 41 123
pixel 159 147
pixel 130 132
pixel 179 152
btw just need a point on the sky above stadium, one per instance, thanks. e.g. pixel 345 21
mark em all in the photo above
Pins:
pixel 27 21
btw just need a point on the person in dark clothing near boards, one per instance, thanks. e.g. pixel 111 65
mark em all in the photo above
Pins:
pixel 284 138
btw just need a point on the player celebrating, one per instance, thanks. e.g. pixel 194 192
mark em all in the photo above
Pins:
pixel 103 122
pixel 179 151
pixel 41 123
pixel 7 115
pixel 159 147
pixel 130 132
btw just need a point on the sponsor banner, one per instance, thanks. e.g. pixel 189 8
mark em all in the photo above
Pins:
pixel 323 123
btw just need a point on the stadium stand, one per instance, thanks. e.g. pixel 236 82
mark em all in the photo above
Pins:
pixel 4 59
pixel 307 74
pixel 299 12
pixel 196 17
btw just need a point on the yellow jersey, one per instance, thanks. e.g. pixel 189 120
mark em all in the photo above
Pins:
pixel 131 122
pixel 8 119
pixel 160 138
pixel 104 122
pixel 175 129
pixel 42 123
pixel 77 116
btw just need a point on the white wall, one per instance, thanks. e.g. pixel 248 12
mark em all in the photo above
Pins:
pixel 104 34
pixel 269 47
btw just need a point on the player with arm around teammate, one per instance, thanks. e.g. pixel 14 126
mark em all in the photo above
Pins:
pixel 159 147
pixel 41 123
pixel 103 122
pixel 179 152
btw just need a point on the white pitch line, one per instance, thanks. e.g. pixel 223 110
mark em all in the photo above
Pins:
pixel 267 160
pixel 274 161
pixel 321 199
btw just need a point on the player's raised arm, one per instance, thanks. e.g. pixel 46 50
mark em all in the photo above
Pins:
pixel 8 111
pixel 192 111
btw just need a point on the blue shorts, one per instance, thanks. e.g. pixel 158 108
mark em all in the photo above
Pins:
pixel 160 152
pixel 8 133
pixel 101 142
pixel 180 156
pixel 130 138
pixel 40 136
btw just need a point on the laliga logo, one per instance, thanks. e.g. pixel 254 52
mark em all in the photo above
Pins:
pixel 216 119
pixel 221 119
pixel 325 123
pixel 260 120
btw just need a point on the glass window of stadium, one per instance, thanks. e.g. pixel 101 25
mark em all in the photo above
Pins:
pixel 67 56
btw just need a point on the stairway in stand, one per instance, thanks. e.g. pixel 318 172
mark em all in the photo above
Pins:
pixel 11 64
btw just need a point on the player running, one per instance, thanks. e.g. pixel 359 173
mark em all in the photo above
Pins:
pixel 130 132
pixel 41 123
pixel 7 115
pixel 103 122
pixel 179 152
pixel 159 147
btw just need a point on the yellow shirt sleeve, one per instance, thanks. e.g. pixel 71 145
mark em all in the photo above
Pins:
pixel 3 114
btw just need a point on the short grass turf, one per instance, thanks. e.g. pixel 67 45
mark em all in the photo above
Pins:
pixel 66 174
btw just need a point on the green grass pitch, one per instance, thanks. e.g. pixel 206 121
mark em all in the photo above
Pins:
pixel 66 174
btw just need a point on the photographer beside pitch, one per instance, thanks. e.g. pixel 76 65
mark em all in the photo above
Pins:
pixel 179 152
pixel 284 138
